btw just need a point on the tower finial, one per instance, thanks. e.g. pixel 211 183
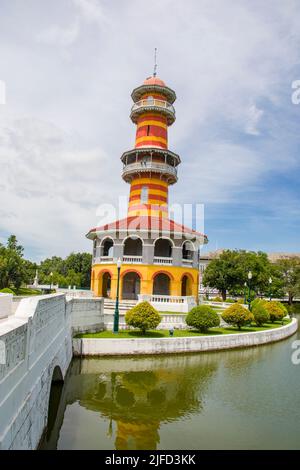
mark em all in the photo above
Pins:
pixel 155 64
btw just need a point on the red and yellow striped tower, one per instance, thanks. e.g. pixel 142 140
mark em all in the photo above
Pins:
pixel 159 256
pixel 147 166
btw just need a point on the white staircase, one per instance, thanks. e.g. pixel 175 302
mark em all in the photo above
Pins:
pixel 124 305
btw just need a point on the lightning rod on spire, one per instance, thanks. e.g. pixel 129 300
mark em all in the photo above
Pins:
pixel 155 64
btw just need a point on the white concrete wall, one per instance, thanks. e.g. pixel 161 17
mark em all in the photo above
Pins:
pixel 107 347
pixel 33 341
pixel 37 339
pixel 87 314
pixel 5 305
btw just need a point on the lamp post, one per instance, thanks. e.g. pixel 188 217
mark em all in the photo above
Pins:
pixel 249 289
pixel 270 284
pixel 116 315
pixel 51 274
pixel 245 293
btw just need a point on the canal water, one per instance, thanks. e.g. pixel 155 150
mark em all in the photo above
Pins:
pixel 239 399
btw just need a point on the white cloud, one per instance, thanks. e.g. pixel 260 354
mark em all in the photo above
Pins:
pixel 255 115
pixel 91 10
pixel 59 36
pixel 67 122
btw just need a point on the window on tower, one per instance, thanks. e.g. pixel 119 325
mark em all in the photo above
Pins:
pixel 148 130
pixel 144 195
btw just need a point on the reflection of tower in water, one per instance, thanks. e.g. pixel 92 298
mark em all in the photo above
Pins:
pixel 138 402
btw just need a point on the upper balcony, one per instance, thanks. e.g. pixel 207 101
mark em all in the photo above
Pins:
pixel 151 104
pixel 130 170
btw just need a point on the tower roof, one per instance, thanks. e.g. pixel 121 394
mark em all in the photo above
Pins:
pixel 153 84
pixel 154 81
pixel 138 223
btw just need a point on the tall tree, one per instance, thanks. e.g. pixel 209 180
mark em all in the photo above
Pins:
pixel 290 272
pixel 229 271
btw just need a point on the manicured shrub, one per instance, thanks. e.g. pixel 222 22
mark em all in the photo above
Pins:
pixel 237 315
pixel 276 310
pixel 6 290
pixel 202 318
pixel 255 302
pixel 143 316
pixel 260 313
pixel 217 299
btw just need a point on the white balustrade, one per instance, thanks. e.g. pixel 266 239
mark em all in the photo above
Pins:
pixel 162 260
pixel 187 262
pixel 148 165
pixel 132 259
pixel 153 102
pixel 175 303
pixel 106 259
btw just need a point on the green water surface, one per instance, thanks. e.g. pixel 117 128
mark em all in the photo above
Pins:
pixel 238 399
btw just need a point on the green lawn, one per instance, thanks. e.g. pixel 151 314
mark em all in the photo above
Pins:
pixel 26 291
pixel 217 309
pixel 179 333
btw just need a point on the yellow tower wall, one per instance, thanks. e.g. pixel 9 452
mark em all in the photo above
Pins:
pixel 147 274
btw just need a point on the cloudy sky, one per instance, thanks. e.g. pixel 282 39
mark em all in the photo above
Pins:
pixel 69 67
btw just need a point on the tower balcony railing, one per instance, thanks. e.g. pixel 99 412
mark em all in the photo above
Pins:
pixel 153 103
pixel 150 166
pixel 162 260
pixel 106 259
pixel 132 259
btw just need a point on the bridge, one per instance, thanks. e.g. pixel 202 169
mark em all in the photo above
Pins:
pixel 35 353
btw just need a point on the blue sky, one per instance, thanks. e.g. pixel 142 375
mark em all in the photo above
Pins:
pixel 69 70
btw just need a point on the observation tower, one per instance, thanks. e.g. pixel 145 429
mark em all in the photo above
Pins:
pixel 159 256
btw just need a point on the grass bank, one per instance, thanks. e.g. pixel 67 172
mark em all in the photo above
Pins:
pixel 125 334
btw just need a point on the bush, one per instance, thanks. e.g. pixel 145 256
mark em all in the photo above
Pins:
pixel 230 301
pixel 143 316
pixel 255 302
pixel 276 310
pixel 202 318
pixel 6 290
pixel 260 313
pixel 217 299
pixel 237 315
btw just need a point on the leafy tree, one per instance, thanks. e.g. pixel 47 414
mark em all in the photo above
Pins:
pixel 12 265
pixel 202 318
pixel 289 269
pixel 260 313
pixel 221 273
pixel 80 263
pixel 229 272
pixel 143 316
pixel 276 310
pixel 12 244
pixel 237 315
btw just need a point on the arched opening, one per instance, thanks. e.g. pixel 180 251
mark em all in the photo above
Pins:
pixel 161 284
pixel 131 286
pixel 187 250
pixel 107 247
pixel 53 405
pixel 133 246
pixel 186 286
pixel 163 248
pixel 106 285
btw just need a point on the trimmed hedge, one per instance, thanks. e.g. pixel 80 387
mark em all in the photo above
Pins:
pixel 237 315
pixel 143 316
pixel 276 310
pixel 6 290
pixel 260 313
pixel 202 318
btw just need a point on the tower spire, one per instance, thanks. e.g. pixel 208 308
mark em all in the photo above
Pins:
pixel 155 64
